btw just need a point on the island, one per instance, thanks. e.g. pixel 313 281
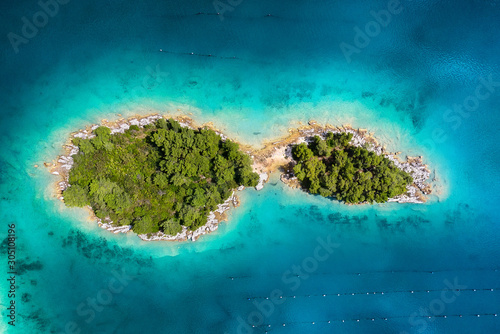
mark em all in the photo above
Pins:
pixel 170 179
pixel 159 177
pixel 332 167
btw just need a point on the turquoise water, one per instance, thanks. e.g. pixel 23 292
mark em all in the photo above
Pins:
pixel 94 60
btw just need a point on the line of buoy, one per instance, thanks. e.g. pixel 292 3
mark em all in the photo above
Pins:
pixel 208 14
pixel 376 292
pixel 447 316
pixel 187 15
pixel 235 277
pixel 197 54
pixel 385 272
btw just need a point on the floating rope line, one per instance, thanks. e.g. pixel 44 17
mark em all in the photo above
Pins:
pixel 382 272
pixel 209 55
pixel 185 15
pixel 235 277
pixel 211 14
pixel 376 293
pixel 218 14
pixel 373 319
pixel 198 54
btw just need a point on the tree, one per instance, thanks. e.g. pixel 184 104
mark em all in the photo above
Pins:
pixel 171 227
pixel 301 152
pixel 247 177
pixel 86 146
pixel 75 196
pixel 319 147
pixel 188 215
pixel 145 225
pixel 178 180
pixel 299 172
pixel 103 132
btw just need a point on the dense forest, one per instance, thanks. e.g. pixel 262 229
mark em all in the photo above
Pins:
pixel 157 178
pixel 334 168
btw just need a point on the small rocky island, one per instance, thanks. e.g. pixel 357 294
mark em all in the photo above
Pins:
pixel 168 179
pixel 332 167
pixel 346 164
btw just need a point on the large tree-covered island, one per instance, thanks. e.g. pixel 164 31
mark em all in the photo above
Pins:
pixel 159 177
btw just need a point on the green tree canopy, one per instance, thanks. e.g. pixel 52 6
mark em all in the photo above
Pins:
pixel 156 178
pixel 334 167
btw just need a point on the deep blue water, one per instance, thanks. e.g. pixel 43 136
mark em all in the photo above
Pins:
pixel 414 82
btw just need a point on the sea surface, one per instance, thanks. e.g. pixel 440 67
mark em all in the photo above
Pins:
pixel 418 80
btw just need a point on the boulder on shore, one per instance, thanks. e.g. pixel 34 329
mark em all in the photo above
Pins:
pixel 262 179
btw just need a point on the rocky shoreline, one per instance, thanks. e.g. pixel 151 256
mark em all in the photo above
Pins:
pixel 274 156
pixel 213 220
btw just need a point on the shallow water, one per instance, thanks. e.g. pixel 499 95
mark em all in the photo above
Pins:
pixel 94 60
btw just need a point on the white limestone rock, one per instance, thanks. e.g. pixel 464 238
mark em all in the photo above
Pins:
pixel 262 179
